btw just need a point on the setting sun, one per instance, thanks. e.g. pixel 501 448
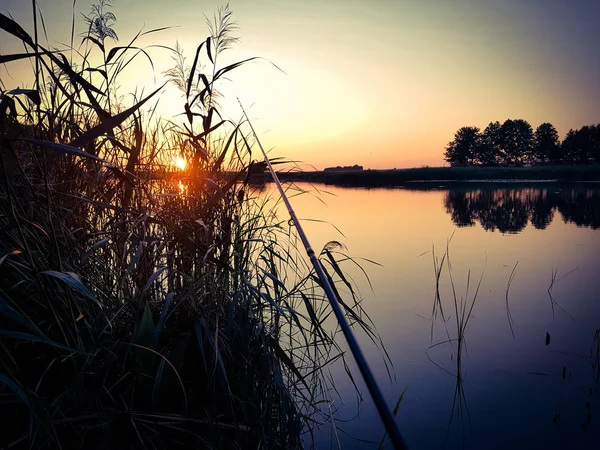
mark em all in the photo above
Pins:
pixel 179 162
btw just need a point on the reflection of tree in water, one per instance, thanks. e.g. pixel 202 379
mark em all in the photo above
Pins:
pixel 459 204
pixel 582 207
pixel 509 210
pixel 542 210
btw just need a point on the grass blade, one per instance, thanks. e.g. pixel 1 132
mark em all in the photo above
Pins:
pixel 72 280
pixel 108 124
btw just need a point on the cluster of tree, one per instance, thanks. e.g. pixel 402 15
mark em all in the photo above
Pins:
pixel 344 168
pixel 514 143
pixel 510 210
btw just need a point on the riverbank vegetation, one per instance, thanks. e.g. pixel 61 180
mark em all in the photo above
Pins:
pixel 139 311
pixel 514 143
pixel 444 176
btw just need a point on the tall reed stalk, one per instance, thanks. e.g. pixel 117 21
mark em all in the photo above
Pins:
pixel 143 306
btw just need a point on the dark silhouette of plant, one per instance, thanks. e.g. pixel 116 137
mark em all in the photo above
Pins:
pixel 582 146
pixel 570 146
pixel 595 143
pixel 546 144
pixel 517 142
pixel 100 22
pixel 514 143
pixel 491 141
pixel 463 149
pixel 144 305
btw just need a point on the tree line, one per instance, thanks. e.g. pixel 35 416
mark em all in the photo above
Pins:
pixel 514 143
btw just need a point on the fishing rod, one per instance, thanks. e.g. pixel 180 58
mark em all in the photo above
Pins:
pixel 384 412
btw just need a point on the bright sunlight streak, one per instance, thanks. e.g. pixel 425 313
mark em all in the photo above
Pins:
pixel 179 162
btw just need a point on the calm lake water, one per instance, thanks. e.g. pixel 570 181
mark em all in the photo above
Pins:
pixel 538 388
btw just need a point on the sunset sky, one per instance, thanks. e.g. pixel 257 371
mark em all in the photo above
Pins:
pixel 382 84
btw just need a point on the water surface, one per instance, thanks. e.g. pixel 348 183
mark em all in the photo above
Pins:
pixel 536 389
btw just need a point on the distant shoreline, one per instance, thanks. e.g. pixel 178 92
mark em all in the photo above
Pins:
pixel 442 175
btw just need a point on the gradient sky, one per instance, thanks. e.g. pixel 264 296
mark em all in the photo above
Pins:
pixel 382 84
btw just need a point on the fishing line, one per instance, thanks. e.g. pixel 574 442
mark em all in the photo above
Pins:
pixel 384 412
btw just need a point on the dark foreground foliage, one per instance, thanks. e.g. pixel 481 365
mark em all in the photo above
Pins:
pixel 140 310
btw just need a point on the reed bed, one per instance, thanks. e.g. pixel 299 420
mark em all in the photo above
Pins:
pixel 141 305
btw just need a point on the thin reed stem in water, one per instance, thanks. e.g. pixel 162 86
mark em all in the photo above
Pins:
pixel 508 314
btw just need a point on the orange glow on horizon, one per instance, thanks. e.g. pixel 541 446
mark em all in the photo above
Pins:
pixel 343 83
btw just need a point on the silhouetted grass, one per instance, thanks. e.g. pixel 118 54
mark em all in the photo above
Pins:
pixel 142 307
pixel 463 309
pixel 511 278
